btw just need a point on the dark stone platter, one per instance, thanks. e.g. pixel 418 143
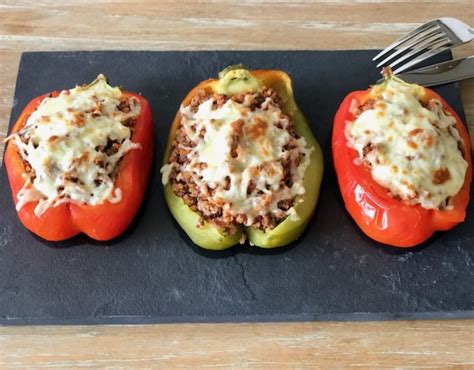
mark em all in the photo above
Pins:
pixel 153 273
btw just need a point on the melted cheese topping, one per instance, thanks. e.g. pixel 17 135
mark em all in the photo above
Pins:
pixel 411 150
pixel 257 158
pixel 65 143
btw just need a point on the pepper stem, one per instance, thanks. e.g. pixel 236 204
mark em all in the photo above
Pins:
pixel 98 79
pixel 231 68
pixel 387 73
pixel 236 79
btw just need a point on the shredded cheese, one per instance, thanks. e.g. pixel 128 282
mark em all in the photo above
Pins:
pixel 224 167
pixel 72 144
pixel 412 150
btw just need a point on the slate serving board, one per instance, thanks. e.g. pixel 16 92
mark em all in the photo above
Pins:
pixel 153 273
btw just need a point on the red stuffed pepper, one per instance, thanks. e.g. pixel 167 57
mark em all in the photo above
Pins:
pixel 403 162
pixel 78 161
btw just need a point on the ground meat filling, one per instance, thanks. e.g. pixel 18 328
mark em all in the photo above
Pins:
pixel 271 201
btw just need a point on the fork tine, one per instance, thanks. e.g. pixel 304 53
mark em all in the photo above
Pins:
pixel 422 57
pixel 433 35
pixel 431 43
pixel 409 35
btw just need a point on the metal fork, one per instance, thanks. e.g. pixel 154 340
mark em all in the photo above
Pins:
pixel 429 39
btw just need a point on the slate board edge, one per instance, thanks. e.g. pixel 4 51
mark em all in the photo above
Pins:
pixel 143 320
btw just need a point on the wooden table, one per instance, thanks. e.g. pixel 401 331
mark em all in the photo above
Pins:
pixel 73 25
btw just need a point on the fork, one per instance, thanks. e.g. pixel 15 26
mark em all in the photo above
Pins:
pixel 429 39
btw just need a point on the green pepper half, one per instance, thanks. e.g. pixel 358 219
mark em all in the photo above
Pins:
pixel 238 80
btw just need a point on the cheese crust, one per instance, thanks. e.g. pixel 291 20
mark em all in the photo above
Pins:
pixel 237 160
pixel 412 149
pixel 72 144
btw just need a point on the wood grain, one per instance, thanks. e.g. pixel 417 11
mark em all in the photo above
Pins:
pixel 150 25
pixel 295 345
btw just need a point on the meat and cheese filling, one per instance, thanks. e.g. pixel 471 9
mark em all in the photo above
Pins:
pixel 237 160
pixel 412 149
pixel 72 144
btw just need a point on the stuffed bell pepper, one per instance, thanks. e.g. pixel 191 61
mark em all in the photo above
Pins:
pixel 78 161
pixel 403 162
pixel 242 162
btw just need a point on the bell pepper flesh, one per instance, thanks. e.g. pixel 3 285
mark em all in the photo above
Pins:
pixel 211 237
pixel 101 222
pixel 380 216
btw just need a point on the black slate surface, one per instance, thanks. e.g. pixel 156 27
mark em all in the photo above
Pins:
pixel 154 274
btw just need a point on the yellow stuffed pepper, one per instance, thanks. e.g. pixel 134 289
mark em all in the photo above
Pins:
pixel 241 162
